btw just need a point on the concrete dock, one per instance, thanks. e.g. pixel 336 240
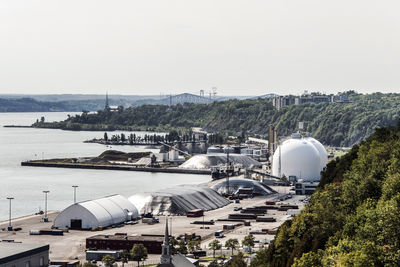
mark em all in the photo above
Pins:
pixel 72 244
pixel 113 167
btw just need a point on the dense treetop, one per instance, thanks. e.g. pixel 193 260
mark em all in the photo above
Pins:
pixel 337 124
pixel 353 219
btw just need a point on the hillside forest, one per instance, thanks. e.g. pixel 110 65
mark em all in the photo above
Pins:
pixel 353 219
pixel 335 124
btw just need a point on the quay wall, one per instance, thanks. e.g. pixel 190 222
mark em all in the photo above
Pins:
pixel 112 167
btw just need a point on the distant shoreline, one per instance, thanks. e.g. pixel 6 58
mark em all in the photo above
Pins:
pixel 17 126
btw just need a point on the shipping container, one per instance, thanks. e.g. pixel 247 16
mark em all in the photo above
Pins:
pixel 195 213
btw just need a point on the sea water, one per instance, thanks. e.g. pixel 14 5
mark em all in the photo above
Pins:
pixel 26 184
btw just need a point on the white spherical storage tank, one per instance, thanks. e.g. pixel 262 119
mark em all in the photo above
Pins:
pixel 323 155
pixel 300 158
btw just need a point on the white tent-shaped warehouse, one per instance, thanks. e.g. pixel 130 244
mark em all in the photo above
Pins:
pixel 102 212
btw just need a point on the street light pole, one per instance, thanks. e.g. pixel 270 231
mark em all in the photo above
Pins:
pixel 9 220
pixel 45 206
pixel 74 186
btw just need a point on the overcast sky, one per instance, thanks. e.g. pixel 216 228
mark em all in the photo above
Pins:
pixel 170 46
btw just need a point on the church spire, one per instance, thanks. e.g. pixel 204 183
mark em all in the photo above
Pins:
pixel 107 106
pixel 166 253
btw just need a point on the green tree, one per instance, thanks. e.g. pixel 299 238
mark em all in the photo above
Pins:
pixel 182 247
pixel 108 260
pixel 248 241
pixel 260 259
pixel 232 243
pixel 214 245
pixel 130 139
pixel 193 245
pixel 173 136
pixel 242 137
pixel 139 253
pixel 125 257
pixel 238 260
pixel 308 259
pixel 173 243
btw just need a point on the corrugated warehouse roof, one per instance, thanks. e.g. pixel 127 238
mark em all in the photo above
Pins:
pixel 102 212
pixel 178 200
pixel 238 183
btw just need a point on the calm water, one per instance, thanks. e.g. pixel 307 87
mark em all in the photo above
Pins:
pixel 26 184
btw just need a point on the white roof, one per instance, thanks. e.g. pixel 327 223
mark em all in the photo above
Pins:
pixel 205 161
pixel 100 212
pixel 301 158
pixel 322 151
pixel 258 140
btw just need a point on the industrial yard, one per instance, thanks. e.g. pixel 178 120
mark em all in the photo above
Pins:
pixel 71 245
pixel 255 203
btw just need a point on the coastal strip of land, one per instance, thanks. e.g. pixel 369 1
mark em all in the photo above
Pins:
pixel 17 126
pixel 35 163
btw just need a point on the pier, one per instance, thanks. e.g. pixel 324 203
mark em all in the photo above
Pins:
pixel 112 167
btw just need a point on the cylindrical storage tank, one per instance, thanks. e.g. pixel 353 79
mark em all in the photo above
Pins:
pixel 173 155
pixel 34 232
pixel 297 157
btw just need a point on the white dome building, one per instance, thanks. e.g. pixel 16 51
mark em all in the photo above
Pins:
pixel 323 155
pixel 101 212
pixel 303 158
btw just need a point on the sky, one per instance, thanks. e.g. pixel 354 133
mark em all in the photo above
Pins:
pixel 173 46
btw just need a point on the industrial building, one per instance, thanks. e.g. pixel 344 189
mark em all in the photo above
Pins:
pixel 305 188
pixel 236 184
pixel 98 213
pixel 214 150
pixel 282 101
pixel 153 244
pixel 207 161
pixel 312 99
pixel 97 255
pixel 178 200
pixel 23 255
pixel 299 158
pixel 255 152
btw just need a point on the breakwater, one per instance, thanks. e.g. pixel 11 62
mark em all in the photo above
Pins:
pixel 111 167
